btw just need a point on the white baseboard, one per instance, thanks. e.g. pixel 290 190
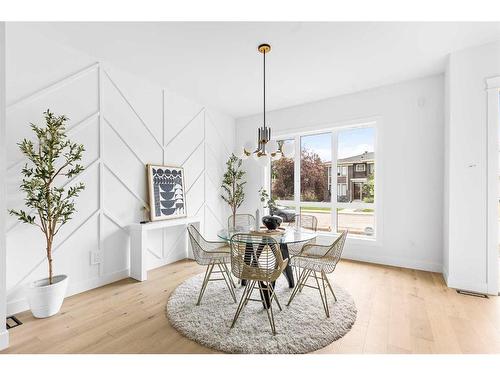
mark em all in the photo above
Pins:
pixel 445 276
pixel 4 339
pixel 395 262
pixel 17 306
pixel 466 285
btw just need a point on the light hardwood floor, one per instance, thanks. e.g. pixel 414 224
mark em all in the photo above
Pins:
pixel 399 311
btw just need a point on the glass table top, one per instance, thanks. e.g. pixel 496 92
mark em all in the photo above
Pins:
pixel 289 235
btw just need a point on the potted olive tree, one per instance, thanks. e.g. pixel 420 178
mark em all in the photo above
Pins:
pixel 49 204
pixel 232 185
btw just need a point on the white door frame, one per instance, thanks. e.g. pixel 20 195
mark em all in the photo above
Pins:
pixel 493 90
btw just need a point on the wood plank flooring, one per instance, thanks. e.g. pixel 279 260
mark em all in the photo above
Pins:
pixel 399 311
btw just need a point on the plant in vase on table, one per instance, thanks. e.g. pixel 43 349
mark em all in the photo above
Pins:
pixel 271 221
pixel 49 204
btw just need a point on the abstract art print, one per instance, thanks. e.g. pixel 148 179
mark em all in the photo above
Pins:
pixel 167 199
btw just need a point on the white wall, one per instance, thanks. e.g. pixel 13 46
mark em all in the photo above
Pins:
pixel 465 204
pixel 4 336
pixel 409 164
pixel 124 123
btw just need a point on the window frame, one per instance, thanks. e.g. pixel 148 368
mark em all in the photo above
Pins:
pixel 341 186
pixel 374 123
pixel 360 165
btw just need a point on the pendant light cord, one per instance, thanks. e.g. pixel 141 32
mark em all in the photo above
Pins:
pixel 264 89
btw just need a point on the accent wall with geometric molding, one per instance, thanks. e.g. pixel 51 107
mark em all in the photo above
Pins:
pixel 124 124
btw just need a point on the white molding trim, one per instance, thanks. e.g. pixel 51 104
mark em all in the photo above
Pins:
pixel 184 127
pixel 51 87
pixel 467 286
pixel 136 196
pixel 20 305
pixel 493 83
pixel 169 255
pixel 327 126
pixel 133 109
pixel 394 261
pixel 445 275
pixel 492 193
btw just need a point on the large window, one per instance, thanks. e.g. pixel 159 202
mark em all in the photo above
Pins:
pixel 282 177
pixel 339 201
pixel 315 167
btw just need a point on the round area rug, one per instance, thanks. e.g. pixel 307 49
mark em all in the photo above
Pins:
pixel 301 327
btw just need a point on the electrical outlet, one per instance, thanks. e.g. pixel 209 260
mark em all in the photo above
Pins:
pixel 95 257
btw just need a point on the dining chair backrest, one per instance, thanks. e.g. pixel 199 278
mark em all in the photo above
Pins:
pixel 335 251
pixel 197 242
pixel 307 222
pixel 255 257
pixel 245 221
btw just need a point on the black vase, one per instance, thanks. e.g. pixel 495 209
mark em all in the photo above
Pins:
pixel 271 221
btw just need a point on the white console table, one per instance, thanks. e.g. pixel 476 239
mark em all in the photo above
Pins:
pixel 139 239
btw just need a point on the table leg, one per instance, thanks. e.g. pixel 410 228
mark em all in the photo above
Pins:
pixel 288 272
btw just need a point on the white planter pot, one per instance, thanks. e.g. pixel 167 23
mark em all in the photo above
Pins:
pixel 46 300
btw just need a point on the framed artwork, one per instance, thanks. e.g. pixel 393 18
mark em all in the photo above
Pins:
pixel 167 198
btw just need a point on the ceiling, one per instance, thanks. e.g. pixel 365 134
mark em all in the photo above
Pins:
pixel 217 63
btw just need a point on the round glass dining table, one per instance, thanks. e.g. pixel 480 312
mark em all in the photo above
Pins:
pixel 291 238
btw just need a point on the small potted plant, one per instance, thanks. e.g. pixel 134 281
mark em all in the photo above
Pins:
pixel 50 205
pixel 271 221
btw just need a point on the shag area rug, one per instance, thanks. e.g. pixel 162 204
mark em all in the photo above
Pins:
pixel 301 327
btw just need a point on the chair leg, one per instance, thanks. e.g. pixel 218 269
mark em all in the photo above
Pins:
pixel 273 295
pixel 269 308
pixel 297 273
pixel 228 282
pixel 229 274
pixel 326 298
pixel 329 285
pixel 305 280
pixel 298 286
pixel 208 272
pixel 246 294
pixel 323 299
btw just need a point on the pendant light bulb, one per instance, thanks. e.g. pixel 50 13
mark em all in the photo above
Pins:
pixel 249 147
pixel 272 146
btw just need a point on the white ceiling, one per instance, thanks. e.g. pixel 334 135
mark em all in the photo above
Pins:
pixel 218 64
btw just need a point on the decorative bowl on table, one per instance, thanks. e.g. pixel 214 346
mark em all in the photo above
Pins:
pixel 271 221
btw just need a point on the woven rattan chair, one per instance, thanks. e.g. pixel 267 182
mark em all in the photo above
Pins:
pixel 258 260
pixel 317 261
pixel 246 221
pixel 211 254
